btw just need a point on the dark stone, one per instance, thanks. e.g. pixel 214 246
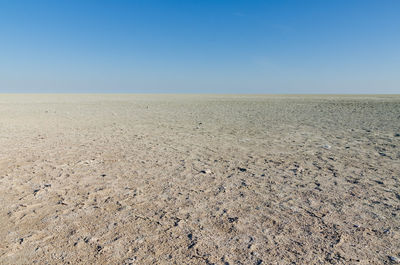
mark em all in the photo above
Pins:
pixel 232 219
pixel 192 244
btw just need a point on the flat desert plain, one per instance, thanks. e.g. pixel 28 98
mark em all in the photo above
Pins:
pixel 199 179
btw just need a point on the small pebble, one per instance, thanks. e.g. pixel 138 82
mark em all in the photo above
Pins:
pixel 232 219
pixel 206 171
pixel 394 259
pixel 130 261
pixel 327 146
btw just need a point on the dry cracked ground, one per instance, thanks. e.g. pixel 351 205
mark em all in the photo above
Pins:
pixel 199 179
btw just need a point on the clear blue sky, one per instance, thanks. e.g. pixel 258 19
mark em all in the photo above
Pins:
pixel 225 46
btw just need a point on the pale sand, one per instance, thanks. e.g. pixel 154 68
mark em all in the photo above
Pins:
pixel 174 179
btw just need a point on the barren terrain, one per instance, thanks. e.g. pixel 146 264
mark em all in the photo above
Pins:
pixel 199 179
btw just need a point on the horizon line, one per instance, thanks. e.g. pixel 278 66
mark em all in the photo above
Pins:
pixel 188 93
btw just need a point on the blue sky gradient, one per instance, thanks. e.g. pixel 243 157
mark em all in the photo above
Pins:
pixel 225 46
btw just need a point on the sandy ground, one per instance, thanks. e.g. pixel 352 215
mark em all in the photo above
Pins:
pixel 188 179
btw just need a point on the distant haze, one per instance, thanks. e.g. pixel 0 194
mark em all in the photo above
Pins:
pixel 313 46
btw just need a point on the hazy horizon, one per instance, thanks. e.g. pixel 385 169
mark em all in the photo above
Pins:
pixel 190 93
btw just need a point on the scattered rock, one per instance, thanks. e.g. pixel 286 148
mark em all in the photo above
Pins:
pixel 176 222
pixel 243 183
pixel 193 241
pixel 206 171
pixel 20 240
pixel 61 202
pixel 298 170
pixel 327 146
pixel 241 169
pixel 191 245
pixel 232 219
pixel 220 189
pixel 397 135
pixel 129 261
pixel 394 259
